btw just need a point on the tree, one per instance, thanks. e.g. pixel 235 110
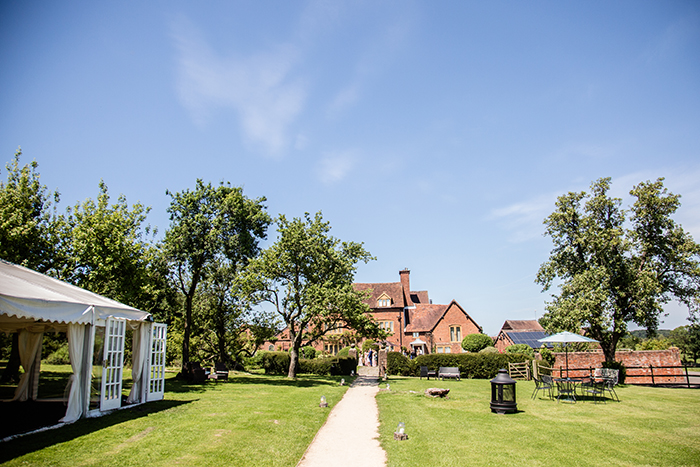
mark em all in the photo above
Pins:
pixel 687 339
pixel 27 233
pixel 475 342
pixel 27 225
pixel 108 250
pixel 228 328
pixel 207 224
pixel 611 274
pixel 307 276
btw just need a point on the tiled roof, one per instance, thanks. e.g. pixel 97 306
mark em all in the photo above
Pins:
pixel 424 317
pixel 392 289
pixel 522 325
pixel 420 297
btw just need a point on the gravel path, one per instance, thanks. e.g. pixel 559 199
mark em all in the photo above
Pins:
pixel 349 436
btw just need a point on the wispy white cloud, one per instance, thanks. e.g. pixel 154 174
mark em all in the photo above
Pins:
pixel 677 35
pixel 523 219
pixel 260 87
pixel 334 167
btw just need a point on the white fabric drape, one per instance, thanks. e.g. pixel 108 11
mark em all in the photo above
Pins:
pixel 140 352
pixel 29 347
pixel 76 341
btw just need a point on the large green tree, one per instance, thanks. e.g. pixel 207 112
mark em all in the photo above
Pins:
pixel 616 266
pixel 27 222
pixel 208 224
pixel 28 234
pixel 109 251
pixel 227 328
pixel 307 276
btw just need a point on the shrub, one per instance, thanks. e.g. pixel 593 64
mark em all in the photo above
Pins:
pixel 622 373
pixel 369 344
pixel 489 349
pixel 344 352
pixel 471 365
pixel 277 363
pixel 398 364
pixel 308 352
pixel 59 357
pixel 547 356
pixel 476 342
pixel 521 348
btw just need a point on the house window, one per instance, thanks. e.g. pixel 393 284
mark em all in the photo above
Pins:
pixel 455 333
pixel 416 335
pixel 271 347
pixel 384 300
pixel 387 326
pixel 331 348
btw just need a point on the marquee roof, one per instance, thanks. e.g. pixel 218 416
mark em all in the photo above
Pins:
pixel 31 299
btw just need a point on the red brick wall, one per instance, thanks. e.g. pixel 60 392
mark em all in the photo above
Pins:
pixel 631 359
pixel 502 341
pixel 393 314
pixel 453 316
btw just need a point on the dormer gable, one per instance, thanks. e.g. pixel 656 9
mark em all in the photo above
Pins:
pixel 384 300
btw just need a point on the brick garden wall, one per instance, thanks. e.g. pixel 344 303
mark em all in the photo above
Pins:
pixel 631 359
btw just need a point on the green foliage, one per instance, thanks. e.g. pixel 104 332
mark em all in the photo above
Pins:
pixel 656 343
pixel 521 348
pixel 308 352
pixel 398 364
pixel 476 342
pixel 611 275
pixel 59 357
pixel 547 356
pixel 489 349
pixel 471 365
pixel 212 228
pixel 622 370
pixel 307 276
pixel 27 228
pixel 277 363
pixel 687 339
pixel 344 352
pixel 369 344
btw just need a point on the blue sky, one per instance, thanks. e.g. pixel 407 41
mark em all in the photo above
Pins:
pixel 437 133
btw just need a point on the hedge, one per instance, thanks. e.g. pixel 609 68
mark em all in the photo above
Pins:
pixel 471 365
pixel 277 363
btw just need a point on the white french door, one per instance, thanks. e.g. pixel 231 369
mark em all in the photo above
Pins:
pixel 112 364
pixel 156 372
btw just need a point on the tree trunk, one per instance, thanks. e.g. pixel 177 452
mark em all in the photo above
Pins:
pixel 293 361
pixel 186 367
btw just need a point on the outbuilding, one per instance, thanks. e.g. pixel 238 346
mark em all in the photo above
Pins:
pixel 32 304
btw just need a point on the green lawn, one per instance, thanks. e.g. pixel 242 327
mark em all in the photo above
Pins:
pixel 651 426
pixel 250 420
pixel 257 420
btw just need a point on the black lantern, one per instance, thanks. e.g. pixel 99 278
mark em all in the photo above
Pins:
pixel 503 393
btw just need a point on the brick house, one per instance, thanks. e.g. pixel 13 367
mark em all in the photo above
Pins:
pixel 520 332
pixel 411 319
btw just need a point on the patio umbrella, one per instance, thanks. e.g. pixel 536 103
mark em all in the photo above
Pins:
pixel 565 337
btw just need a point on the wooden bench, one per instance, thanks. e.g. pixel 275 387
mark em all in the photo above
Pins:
pixel 449 372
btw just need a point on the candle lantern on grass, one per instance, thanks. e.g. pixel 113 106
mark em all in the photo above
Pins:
pixel 400 433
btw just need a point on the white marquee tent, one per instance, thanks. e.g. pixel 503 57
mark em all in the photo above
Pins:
pixel 32 304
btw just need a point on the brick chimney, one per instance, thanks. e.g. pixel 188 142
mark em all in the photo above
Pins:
pixel 406 285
